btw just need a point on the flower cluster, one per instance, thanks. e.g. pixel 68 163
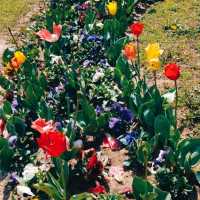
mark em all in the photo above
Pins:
pixel 81 98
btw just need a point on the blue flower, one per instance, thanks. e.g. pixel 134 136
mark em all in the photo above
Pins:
pixel 94 38
pixel 126 115
pixel 99 110
pixel 117 107
pixel 129 138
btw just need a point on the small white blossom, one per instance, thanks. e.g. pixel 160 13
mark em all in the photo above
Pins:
pixel 75 38
pixel 170 96
pixel 99 25
pixel 98 75
pixel 29 172
pixel 22 189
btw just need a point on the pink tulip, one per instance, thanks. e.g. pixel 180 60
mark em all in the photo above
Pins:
pixel 44 34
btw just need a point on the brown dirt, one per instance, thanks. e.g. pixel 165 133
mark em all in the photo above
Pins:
pixel 116 159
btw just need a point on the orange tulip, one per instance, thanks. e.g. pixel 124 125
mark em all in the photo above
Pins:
pixel 130 51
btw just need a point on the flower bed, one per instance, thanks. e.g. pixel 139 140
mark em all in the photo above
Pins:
pixel 78 86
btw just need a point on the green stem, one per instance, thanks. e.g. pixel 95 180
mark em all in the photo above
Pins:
pixel 155 78
pixel 176 104
pixel 145 165
pixel 136 71
pixel 138 57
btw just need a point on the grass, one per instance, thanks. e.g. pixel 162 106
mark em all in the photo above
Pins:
pixel 175 24
pixel 12 10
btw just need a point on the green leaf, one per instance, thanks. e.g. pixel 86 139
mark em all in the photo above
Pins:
pixel 5 83
pixel 162 127
pixel 8 54
pixel 6 154
pixel 115 50
pixel 49 189
pixel 188 153
pixel 145 191
pixel 7 109
pixel 83 196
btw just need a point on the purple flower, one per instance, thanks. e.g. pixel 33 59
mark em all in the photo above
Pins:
pixel 14 105
pixel 104 63
pixel 59 88
pixel 99 110
pixel 86 63
pixel 13 178
pixel 161 157
pixel 94 38
pixel 12 141
pixel 114 122
pixel 117 107
pixel 126 115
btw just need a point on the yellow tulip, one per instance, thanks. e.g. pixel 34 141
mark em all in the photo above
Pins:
pixel 153 51
pixel 154 64
pixel 20 57
pixel 112 8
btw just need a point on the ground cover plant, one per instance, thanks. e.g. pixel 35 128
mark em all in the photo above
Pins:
pixel 78 86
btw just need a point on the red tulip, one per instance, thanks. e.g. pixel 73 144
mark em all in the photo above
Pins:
pixel 44 34
pixel 94 167
pixel 92 162
pixel 172 71
pixel 53 143
pixel 43 126
pixel 136 28
pixel 2 126
pixel 97 189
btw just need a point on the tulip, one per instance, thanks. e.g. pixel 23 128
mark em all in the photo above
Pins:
pixel 153 51
pixel 44 34
pixel 136 28
pixel 112 8
pixel 18 59
pixel 154 65
pixel 98 189
pixel 43 126
pixel 54 143
pixel 172 72
pixel 130 51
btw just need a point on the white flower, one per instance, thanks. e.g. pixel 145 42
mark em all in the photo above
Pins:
pixel 99 25
pixel 98 75
pixel 29 172
pixel 170 96
pixel 21 189
pixel 75 38
pixel 56 59
pixel 78 144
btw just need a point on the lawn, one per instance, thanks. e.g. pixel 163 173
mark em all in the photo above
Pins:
pixel 11 10
pixel 175 25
